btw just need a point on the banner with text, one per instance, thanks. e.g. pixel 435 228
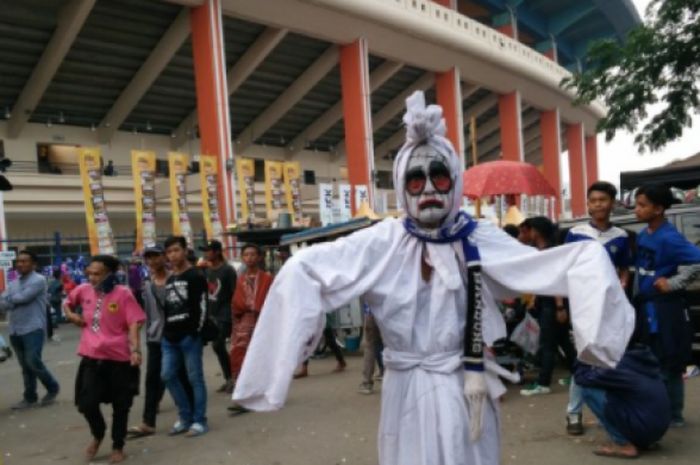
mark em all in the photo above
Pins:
pixel 177 164
pixel 361 196
pixel 292 184
pixel 208 172
pixel 325 203
pixel 274 185
pixel 345 206
pixel 99 229
pixel 245 168
pixel 143 168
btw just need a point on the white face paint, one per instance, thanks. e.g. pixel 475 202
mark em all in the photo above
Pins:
pixel 428 187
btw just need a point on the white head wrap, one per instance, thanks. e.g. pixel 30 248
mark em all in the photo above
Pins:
pixel 425 125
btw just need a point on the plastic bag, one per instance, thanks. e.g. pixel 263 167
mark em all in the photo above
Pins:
pixel 527 334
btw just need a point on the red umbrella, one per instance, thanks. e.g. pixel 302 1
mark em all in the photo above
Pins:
pixel 505 177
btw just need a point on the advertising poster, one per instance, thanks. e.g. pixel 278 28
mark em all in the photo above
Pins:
pixel 325 203
pixel 361 195
pixel 208 172
pixel 245 168
pixel 143 168
pixel 274 186
pixel 99 230
pixel 292 183
pixel 345 203
pixel 177 164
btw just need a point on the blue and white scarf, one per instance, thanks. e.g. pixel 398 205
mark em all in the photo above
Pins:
pixel 460 230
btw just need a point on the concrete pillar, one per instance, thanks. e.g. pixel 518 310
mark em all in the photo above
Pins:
pixel 591 159
pixel 357 115
pixel 448 92
pixel 551 151
pixel 509 114
pixel 212 99
pixel 449 96
pixel 577 168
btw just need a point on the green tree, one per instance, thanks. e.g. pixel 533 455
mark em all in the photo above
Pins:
pixel 659 63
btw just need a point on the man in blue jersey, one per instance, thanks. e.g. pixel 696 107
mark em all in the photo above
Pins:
pixel 601 199
pixel 659 286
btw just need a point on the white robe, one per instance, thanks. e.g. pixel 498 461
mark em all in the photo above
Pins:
pixel 423 417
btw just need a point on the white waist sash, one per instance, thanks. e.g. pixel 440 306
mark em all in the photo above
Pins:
pixel 440 362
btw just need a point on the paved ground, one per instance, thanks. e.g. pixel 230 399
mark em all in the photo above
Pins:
pixel 325 423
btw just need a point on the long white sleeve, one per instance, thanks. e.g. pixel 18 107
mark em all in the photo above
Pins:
pixel 602 318
pixel 318 279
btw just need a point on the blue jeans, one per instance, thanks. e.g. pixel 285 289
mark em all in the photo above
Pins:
pixel 596 399
pixel 28 349
pixel 575 405
pixel 187 351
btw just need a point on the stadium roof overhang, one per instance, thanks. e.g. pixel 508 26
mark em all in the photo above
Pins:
pixel 127 65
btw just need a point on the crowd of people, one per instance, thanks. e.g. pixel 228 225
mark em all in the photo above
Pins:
pixel 640 398
pixel 183 303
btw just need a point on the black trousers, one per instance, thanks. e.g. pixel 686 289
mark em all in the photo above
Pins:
pixel 553 336
pixel 155 387
pixel 219 347
pixel 106 381
pixel 329 336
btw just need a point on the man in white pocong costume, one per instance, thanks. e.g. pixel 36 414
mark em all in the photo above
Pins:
pixel 433 304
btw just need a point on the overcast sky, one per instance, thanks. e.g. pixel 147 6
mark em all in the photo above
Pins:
pixel 621 154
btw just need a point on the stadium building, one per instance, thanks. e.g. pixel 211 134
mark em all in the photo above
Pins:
pixel 322 82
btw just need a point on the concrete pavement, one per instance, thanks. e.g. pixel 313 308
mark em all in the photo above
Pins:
pixel 326 422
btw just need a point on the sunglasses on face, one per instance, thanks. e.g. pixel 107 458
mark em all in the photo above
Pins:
pixel 416 178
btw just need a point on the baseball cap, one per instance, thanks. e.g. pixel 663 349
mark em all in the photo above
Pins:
pixel 212 245
pixel 155 250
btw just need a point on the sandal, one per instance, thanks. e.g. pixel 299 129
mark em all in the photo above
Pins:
pixel 117 456
pixel 627 451
pixel 140 431
pixel 92 448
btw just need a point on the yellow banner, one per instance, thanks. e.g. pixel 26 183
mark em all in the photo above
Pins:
pixel 292 185
pixel 99 230
pixel 245 168
pixel 143 168
pixel 177 166
pixel 208 172
pixel 274 185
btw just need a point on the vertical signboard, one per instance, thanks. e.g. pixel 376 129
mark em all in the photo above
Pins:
pixel 274 186
pixel 245 168
pixel 208 172
pixel 325 203
pixel 98 227
pixel 177 164
pixel 292 183
pixel 143 168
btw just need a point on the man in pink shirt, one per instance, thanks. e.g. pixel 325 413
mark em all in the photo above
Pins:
pixel 110 350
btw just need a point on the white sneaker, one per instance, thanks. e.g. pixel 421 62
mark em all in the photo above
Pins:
pixel 366 388
pixel 535 390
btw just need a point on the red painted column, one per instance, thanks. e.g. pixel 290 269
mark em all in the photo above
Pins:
pixel 448 93
pixel 449 96
pixel 357 116
pixel 212 98
pixel 551 151
pixel 577 168
pixel 591 159
pixel 509 114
